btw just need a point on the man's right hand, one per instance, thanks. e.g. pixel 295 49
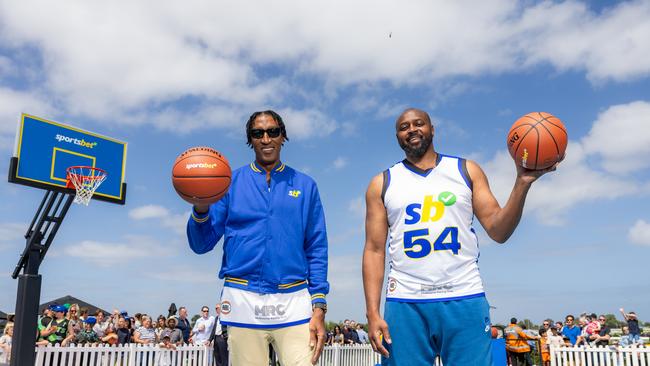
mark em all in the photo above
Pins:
pixel 378 330
pixel 202 208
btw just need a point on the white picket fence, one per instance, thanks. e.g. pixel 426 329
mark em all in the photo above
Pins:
pixel 350 355
pixel 600 356
pixel 355 355
pixel 123 355
pixel 144 355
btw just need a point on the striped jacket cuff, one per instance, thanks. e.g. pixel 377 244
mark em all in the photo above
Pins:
pixel 318 298
pixel 200 217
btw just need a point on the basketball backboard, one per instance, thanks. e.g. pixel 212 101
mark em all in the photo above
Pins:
pixel 45 149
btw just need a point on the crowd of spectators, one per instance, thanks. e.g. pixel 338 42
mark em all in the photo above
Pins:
pixel 590 330
pixel 348 332
pixel 69 324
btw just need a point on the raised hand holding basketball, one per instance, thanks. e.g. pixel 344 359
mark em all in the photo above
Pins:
pixel 537 141
pixel 201 176
pixel 528 176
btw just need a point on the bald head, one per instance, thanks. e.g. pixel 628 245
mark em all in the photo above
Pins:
pixel 413 112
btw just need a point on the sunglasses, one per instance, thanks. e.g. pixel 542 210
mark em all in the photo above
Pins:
pixel 258 133
pixel 205 311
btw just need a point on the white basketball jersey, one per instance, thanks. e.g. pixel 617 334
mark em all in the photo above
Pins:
pixel 433 249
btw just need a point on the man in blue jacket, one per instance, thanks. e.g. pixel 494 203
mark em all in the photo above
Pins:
pixel 274 255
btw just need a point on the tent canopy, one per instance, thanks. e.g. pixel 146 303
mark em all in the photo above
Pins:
pixel 72 300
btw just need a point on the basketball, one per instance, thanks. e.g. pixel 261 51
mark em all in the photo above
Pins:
pixel 537 140
pixel 201 175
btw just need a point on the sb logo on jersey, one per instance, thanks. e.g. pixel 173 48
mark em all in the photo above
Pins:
pixel 430 210
pixel 416 242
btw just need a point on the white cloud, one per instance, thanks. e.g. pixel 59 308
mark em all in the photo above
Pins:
pixel 340 162
pixel 132 62
pixel 640 233
pixel 302 124
pixel 609 45
pixel 621 136
pixel 176 222
pixel 12 104
pixel 148 212
pixel 109 253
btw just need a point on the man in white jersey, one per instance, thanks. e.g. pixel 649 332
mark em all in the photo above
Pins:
pixel 425 205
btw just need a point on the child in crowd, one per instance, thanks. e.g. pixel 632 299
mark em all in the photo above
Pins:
pixel 625 338
pixel 632 325
pixel 87 335
pixel 544 348
pixel 164 359
pixel 167 343
pixel 593 326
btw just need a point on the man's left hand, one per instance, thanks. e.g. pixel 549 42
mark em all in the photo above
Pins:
pixel 317 334
pixel 529 175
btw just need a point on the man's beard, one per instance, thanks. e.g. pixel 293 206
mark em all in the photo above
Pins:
pixel 419 150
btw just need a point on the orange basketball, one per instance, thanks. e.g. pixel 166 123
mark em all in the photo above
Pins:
pixel 201 175
pixel 537 140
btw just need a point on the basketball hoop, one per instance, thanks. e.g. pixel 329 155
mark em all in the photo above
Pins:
pixel 85 180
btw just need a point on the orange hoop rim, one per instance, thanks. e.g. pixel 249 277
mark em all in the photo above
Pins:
pixel 70 172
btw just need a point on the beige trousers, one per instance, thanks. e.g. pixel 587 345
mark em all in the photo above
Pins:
pixel 250 347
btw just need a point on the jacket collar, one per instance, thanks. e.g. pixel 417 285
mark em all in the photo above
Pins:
pixel 260 170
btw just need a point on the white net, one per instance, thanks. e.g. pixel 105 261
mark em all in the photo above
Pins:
pixel 85 179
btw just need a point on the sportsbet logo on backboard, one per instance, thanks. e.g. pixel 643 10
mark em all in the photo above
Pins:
pixel 71 140
pixel 417 242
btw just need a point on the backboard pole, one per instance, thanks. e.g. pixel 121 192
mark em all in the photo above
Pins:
pixel 46 222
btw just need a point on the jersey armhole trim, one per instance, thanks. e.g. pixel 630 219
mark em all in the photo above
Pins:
pixel 385 184
pixel 462 168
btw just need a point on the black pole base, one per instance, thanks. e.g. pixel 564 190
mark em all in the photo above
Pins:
pixel 23 350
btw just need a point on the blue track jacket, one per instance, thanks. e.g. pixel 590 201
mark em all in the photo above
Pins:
pixel 274 235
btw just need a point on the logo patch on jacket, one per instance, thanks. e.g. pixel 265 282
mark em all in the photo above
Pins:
pixel 294 193
pixel 226 307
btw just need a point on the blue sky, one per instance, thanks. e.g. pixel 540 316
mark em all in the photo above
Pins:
pixel 166 76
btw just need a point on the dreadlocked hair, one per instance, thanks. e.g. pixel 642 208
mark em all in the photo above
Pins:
pixel 274 115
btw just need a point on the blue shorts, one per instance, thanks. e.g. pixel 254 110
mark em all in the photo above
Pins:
pixel 456 330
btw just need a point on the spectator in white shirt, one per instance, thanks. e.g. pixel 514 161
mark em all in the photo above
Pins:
pixel 202 330
pixel 102 325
